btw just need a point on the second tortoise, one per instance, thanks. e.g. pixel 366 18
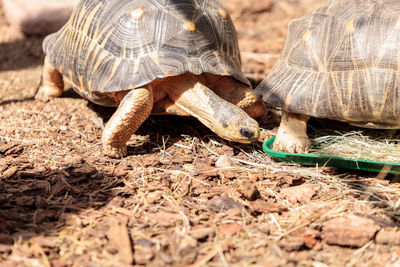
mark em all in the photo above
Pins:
pixel 339 62
pixel 155 56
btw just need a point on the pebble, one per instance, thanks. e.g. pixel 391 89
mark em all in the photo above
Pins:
pixel 351 230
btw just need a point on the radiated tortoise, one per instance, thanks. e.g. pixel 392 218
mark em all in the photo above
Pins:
pixel 342 62
pixel 153 56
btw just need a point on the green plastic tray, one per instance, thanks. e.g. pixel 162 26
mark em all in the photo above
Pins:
pixel 344 163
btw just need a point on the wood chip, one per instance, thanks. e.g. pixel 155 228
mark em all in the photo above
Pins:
pixel 266 207
pixel 201 232
pixel 301 193
pixel 86 169
pixel 388 237
pixel 350 230
pixel 9 172
pixel 118 235
pixel 219 204
pixel 229 228
pixel 309 235
pixel 291 243
pixel 249 190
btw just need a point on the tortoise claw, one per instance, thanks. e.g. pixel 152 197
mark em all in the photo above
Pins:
pixel 114 151
pixel 292 134
pixel 291 144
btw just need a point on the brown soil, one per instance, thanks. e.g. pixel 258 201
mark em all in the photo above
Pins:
pixel 183 196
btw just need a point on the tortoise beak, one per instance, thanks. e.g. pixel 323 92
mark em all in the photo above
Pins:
pixel 249 133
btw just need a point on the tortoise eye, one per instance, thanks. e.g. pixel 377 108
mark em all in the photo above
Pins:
pixel 245 132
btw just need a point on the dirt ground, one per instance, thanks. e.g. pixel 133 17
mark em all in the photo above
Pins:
pixel 182 196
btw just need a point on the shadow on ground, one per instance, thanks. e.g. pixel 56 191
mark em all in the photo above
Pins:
pixel 21 54
pixel 33 199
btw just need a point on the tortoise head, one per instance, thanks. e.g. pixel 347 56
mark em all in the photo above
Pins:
pixel 222 117
pixel 233 124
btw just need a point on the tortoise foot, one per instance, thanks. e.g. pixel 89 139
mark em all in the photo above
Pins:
pixel 292 134
pixel 114 151
pixel 291 144
pixel 45 93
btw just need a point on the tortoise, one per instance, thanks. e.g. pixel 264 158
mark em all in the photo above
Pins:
pixel 153 57
pixel 340 62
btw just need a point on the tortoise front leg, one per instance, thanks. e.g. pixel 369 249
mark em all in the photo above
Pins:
pixel 292 134
pixel 52 84
pixel 133 110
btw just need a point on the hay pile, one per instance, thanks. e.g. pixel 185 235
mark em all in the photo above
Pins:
pixel 355 145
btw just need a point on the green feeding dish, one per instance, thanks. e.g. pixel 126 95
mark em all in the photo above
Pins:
pixel 339 162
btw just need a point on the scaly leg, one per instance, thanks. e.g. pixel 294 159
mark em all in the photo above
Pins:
pixel 52 84
pixel 133 110
pixel 292 134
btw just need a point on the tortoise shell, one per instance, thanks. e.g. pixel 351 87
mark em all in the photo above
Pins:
pixel 113 45
pixel 341 61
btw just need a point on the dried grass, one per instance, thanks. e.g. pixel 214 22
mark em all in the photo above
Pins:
pixel 355 145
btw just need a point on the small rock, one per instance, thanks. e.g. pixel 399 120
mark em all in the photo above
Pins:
pixel 86 169
pixel 201 232
pixel 301 193
pixel 291 243
pixel 219 204
pixel 309 236
pixel 9 172
pixel 388 237
pixel 266 207
pixel 229 228
pixel 73 160
pixel 223 162
pixel 249 190
pixel 350 230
